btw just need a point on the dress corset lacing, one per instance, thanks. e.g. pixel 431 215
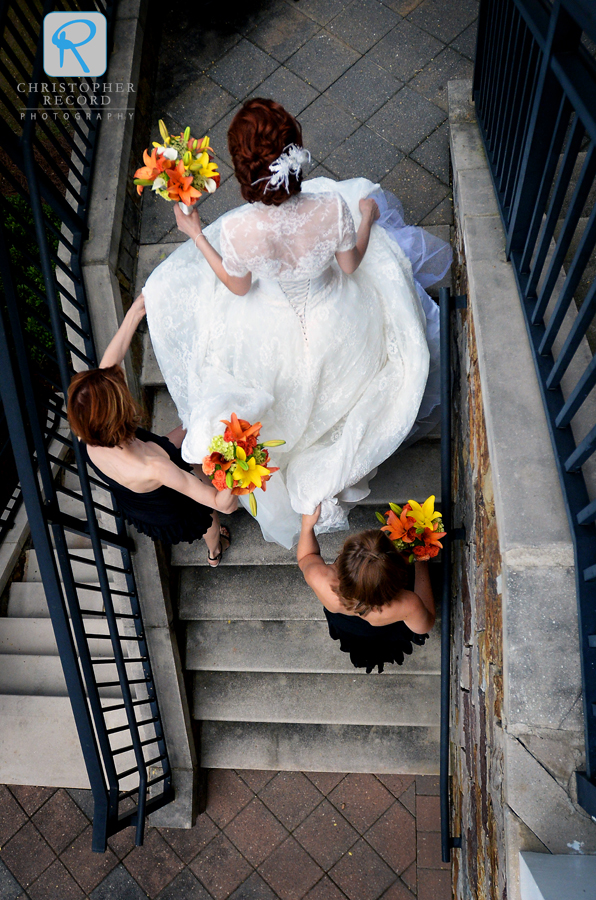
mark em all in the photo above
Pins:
pixel 299 291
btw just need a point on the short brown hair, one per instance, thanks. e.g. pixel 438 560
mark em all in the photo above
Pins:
pixel 101 410
pixel 258 134
pixel 371 572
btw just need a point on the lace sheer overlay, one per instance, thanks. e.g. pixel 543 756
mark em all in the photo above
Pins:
pixel 295 240
pixel 336 365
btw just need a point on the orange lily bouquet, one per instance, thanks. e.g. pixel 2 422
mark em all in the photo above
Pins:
pixel 236 461
pixel 180 168
pixel 414 528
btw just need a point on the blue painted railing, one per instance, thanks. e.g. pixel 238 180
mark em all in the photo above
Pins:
pixel 535 95
pixel 45 333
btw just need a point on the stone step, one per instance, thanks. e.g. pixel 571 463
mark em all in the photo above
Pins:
pixel 39 743
pixel 71 481
pixel 293 646
pixel 412 473
pixel 27 599
pixel 72 507
pixel 381 749
pixel 165 415
pixel 252 592
pixel 249 549
pixel 76 508
pixel 42 676
pixel 77 541
pixel 390 699
pixel 31 636
pixel 246 592
pixel 83 573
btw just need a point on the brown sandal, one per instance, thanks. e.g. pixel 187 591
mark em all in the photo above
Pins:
pixel 224 535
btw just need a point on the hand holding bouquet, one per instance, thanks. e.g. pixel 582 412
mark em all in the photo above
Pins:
pixel 180 168
pixel 414 529
pixel 236 461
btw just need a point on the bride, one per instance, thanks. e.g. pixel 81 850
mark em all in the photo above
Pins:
pixel 295 311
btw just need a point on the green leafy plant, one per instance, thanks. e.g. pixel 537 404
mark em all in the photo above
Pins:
pixel 24 254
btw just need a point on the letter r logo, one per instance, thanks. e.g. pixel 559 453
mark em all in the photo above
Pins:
pixel 74 44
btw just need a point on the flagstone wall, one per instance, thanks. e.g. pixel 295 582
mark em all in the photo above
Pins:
pixel 111 251
pixel 477 674
pixel 517 735
pixel 141 127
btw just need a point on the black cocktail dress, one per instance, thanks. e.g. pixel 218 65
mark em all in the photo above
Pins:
pixel 369 645
pixel 163 514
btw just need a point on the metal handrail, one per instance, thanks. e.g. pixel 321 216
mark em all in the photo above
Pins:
pixel 49 524
pixel 553 120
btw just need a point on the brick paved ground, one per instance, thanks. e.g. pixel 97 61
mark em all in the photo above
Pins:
pixel 265 835
pixel 367 80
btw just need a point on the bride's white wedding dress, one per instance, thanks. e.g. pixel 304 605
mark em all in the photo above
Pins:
pixel 336 365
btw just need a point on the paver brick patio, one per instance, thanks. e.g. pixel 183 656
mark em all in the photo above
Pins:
pixel 364 88
pixel 264 836
pixel 255 832
pixel 290 796
pixel 347 68
pixel 326 835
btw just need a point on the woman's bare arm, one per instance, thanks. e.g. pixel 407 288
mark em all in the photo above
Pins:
pixel 169 474
pixel 423 587
pixel 317 574
pixel 191 225
pixel 118 346
pixel 349 260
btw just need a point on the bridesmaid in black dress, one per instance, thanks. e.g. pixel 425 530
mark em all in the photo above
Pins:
pixel 156 490
pixel 372 608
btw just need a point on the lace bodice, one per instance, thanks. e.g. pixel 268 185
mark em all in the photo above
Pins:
pixel 296 240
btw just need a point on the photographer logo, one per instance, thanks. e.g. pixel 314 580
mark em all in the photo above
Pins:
pixel 74 44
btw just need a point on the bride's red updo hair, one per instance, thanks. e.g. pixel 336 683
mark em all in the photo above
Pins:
pixel 259 132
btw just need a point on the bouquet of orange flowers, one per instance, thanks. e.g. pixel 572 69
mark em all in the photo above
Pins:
pixel 415 529
pixel 180 168
pixel 236 461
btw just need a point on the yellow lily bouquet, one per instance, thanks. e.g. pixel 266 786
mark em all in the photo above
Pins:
pixel 180 168
pixel 236 461
pixel 415 529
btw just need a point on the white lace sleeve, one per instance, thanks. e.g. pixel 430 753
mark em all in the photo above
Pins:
pixel 230 259
pixel 347 231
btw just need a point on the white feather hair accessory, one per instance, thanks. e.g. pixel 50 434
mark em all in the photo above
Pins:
pixel 290 162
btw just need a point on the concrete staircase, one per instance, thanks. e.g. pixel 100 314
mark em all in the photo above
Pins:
pixel 39 742
pixel 270 689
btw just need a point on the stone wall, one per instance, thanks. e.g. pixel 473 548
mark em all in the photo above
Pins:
pixel 128 250
pixel 517 696
pixel 477 660
pixel 111 251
